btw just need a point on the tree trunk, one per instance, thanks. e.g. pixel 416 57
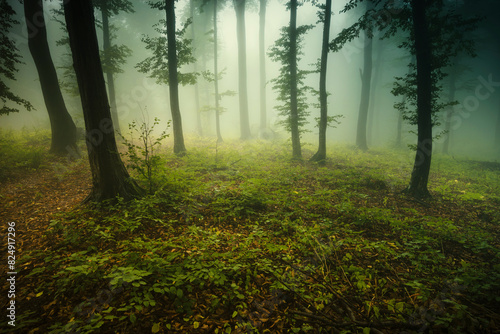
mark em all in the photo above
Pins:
pixel 106 43
pixel 449 112
pixel 109 176
pixel 366 78
pixel 262 65
pixel 195 69
pixel 239 8
pixel 216 78
pixel 62 125
pixel 422 165
pixel 294 113
pixel 323 123
pixel 373 120
pixel 399 133
pixel 179 147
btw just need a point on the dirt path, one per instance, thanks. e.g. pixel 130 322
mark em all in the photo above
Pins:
pixel 33 198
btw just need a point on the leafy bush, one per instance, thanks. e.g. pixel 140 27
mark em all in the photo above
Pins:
pixel 142 157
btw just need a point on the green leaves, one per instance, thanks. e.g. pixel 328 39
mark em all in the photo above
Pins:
pixel 127 275
pixel 156 66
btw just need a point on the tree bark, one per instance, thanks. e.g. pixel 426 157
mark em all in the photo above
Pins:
pixel 179 147
pixel 262 65
pixel 216 78
pixel 294 114
pixel 323 97
pixel 366 78
pixel 109 176
pixel 422 165
pixel 373 120
pixel 62 125
pixel 106 43
pixel 239 8
pixel 195 68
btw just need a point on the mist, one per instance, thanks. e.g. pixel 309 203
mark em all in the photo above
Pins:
pixel 366 200
pixel 138 95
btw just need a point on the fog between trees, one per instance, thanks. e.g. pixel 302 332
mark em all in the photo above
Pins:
pixel 138 94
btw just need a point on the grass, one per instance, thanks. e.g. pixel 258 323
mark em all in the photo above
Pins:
pixel 239 239
pixel 22 152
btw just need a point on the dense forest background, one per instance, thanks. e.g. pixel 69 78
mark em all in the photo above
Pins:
pixel 250 166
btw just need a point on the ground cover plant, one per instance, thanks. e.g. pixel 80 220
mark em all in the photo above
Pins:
pixel 237 238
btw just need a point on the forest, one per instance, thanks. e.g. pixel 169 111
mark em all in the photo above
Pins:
pixel 244 166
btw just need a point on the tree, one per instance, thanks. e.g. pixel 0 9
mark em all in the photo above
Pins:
pixel 179 147
pixel 112 55
pixel 239 8
pixel 195 69
pixel 262 64
pixel 366 79
pixel 292 92
pixel 423 45
pixel 216 79
pixel 320 155
pixel 434 46
pixel 9 59
pixel 62 125
pixel 169 55
pixel 109 176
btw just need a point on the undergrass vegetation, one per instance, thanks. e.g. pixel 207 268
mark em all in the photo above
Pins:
pixel 237 238
pixel 22 151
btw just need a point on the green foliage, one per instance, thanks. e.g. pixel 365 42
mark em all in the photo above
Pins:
pixel 256 242
pixel 116 56
pixel 9 60
pixel 156 66
pixel 22 152
pixel 210 77
pixel 143 157
pixel 449 39
pixel 279 53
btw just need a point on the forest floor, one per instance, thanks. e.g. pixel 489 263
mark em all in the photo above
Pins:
pixel 237 238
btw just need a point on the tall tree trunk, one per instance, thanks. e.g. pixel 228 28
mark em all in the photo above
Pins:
pixel 366 78
pixel 106 43
pixel 239 8
pixel 449 112
pixel 373 120
pixel 109 176
pixel 422 165
pixel 262 64
pixel 399 133
pixel 323 97
pixel 62 125
pixel 294 112
pixel 195 68
pixel 216 78
pixel 173 86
